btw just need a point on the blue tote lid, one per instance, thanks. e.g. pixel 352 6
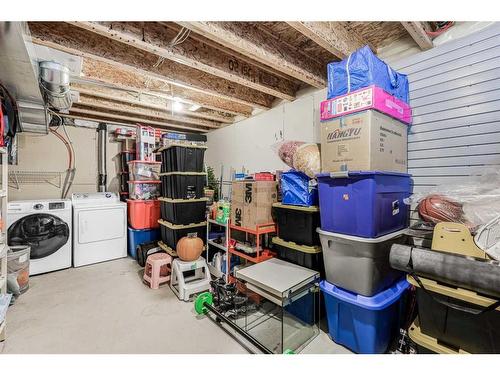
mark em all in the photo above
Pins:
pixel 347 174
pixel 377 302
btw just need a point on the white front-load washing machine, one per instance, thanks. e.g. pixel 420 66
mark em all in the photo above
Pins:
pixel 45 226
pixel 99 228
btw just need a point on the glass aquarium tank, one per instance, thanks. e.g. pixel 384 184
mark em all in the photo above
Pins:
pixel 281 308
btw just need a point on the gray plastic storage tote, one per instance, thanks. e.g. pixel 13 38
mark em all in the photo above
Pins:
pixel 358 264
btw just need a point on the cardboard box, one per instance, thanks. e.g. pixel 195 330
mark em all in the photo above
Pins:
pixel 251 202
pixel 367 140
pixel 371 97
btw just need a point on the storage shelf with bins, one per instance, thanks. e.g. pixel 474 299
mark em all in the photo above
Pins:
pixel 3 233
pixel 219 246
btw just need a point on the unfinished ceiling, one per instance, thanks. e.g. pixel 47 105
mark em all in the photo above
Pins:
pixel 199 76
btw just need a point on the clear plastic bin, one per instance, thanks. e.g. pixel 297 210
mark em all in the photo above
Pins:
pixel 144 170
pixel 18 269
pixel 144 190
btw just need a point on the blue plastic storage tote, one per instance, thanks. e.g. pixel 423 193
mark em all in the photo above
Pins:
pixel 361 69
pixel 139 236
pixel 363 203
pixel 298 189
pixel 365 325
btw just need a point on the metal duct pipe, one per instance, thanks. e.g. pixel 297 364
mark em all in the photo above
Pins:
pixel 102 140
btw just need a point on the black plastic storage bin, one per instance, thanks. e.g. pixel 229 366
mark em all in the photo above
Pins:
pixel 454 324
pixel 297 223
pixel 429 345
pixel 123 177
pixel 171 233
pixel 182 185
pixel 182 158
pixel 125 157
pixel 183 211
pixel 305 256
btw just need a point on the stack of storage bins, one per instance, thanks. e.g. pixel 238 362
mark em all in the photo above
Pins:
pixel 362 189
pixel 143 205
pixel 125 157
pixel 183 204
pixel 297 218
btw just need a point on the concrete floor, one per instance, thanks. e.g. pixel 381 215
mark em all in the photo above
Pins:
pixel 105 308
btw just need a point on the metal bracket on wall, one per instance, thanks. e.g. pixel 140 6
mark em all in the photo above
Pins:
pixel 18 178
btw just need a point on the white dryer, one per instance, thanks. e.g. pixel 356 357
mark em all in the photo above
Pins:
pixel 44 225
pixel 99 228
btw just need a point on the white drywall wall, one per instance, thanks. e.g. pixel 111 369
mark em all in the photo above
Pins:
pixel 246 145
pixel 47 153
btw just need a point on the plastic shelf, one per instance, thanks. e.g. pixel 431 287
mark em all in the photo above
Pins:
pixel 217 245
pixel 212 221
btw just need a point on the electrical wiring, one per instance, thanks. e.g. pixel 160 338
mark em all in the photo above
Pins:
pixel 71 171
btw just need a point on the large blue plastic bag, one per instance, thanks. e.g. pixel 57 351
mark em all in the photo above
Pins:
pixel 298 189
pixel 361 69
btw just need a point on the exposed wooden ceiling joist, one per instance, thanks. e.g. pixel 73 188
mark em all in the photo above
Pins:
pixel 67 38
pixel 104 115
pixel 147 101
pixel 249 40
pixel 156 39
pixel 332 36
pixel 121 78
pixel 113 105
pixel 417 30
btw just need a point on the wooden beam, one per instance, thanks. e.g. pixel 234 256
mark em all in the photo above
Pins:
pixel 332 36
pixel 77 41
pixel 147 101
pixel 120 78
pixel 133 120
pixel 247 39
pixel 155 38
pixel 417 32
pixel 112 105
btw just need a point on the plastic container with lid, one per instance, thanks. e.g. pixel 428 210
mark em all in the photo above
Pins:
pixel 430 345
pixel 360 264
pixel 144 170
pixel 137 237
pixel 171 233
pixel 453 316
pixel 143 214
pixel 183 185
pixel 178 157
pixel 365 325
pixel 305 256
pixel 363 203
pixel 144 190
pixel 183 211
pixel 297 223
pixel 18 269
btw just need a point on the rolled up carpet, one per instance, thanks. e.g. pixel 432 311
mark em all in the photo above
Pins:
pixel 482 276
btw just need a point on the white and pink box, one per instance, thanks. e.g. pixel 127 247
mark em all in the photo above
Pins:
pixel 371 97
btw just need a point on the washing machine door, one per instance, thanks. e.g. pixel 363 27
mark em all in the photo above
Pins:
pixel 45 233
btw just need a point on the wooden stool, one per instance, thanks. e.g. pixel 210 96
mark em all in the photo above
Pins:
pixel 157 269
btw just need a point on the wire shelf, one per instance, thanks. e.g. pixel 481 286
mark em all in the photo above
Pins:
pixel 18 178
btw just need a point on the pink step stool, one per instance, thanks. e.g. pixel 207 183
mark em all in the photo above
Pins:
pixel 157 269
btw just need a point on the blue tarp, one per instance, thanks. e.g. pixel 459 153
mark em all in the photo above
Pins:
pixel 298 189
pixel 361 69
